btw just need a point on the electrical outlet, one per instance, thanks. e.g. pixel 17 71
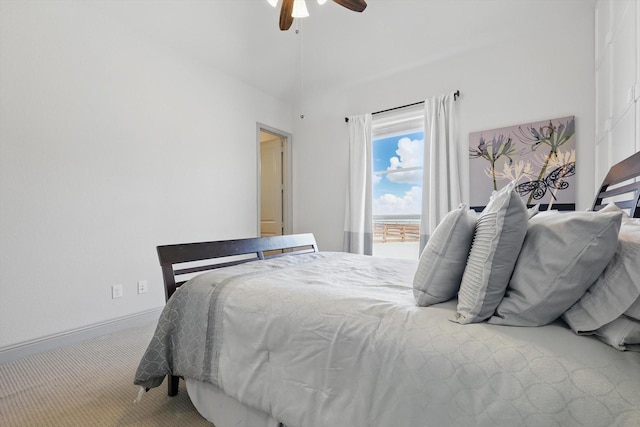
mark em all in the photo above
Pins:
pixel 116 291
pixel 142 286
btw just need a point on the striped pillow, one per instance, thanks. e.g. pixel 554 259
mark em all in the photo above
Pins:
pixel 500 231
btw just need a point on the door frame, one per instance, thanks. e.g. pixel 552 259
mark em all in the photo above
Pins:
pixel 287 211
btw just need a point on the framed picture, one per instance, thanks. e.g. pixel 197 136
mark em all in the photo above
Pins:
pixel 539 156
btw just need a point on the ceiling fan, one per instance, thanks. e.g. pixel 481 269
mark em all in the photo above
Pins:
pixel 291 9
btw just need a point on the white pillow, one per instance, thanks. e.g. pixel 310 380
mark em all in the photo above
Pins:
pixel 612 207
pixel 622 334
pixel 617 288
pixel 437 278
pixel 561 257
pixel 634 310
pixel 500 231
pixel 533 210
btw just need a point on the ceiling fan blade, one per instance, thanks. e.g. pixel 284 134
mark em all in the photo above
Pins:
pixel 355 5
pixel 285 15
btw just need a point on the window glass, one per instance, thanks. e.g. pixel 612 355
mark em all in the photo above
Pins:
pixel 397 177
pixel 398 152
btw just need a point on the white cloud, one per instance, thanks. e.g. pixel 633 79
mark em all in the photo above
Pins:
pixel 410 151
pixel 410 154
pixel 409 203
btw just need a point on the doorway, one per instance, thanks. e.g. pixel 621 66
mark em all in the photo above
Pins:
pixel 274 185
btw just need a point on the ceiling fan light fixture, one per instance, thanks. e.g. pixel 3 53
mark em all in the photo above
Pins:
pixel 273 3
pixel 300 9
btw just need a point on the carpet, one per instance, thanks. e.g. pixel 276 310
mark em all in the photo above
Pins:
pixel 90 384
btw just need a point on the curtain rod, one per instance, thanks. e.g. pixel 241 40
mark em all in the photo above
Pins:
pixel 456 94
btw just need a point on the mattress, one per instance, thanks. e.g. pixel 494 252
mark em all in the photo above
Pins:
pixel 334 339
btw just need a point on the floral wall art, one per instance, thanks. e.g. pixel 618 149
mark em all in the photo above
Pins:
pixel 540 157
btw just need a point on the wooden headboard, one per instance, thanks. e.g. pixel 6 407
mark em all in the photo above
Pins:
pixel 224 253
pixel 622 186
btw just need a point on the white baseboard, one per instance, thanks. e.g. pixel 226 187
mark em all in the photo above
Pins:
pixel 28 348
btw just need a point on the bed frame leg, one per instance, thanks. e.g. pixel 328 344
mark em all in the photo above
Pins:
pixel 173 385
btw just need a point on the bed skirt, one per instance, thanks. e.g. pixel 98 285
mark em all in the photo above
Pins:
pixel 223 410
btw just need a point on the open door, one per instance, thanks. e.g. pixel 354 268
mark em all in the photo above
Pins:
pixel 274 188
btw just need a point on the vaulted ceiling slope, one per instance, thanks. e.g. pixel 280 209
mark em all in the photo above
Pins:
pixel 334 47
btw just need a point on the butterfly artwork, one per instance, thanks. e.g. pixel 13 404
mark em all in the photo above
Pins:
pixel 538 156
pixel 554 181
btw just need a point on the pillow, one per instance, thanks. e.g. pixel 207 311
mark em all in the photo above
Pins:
pixel 634 310
pixel 437 278
pixel 622 334
pixel 617 288
pixel 561 257
pixel 612 294
pixel 612 207
pixel 533 210
pixel 500 231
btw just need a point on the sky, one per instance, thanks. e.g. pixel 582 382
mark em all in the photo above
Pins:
pixel 400 192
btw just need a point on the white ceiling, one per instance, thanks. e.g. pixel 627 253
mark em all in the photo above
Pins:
pixel 335 47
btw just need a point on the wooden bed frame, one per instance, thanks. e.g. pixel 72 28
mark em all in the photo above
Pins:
pixel 626 196
pixel 223 253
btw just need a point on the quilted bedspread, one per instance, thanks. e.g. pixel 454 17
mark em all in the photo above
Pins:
pixel 334 339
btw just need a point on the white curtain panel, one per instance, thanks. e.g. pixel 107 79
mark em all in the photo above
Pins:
pixel 358 224
pixel 441 179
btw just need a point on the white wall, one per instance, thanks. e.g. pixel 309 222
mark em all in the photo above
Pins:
pixel 617 64
pixel 538 66
pixel 110 144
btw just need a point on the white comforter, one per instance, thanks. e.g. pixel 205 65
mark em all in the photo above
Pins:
pixel 332 339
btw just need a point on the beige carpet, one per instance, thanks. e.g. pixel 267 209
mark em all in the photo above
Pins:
pixel 90 384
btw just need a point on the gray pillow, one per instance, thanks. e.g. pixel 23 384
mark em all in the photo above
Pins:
pixel 561 257
pixel 500 231
pixel 617 288
pixel 437 278
pixel 634 310
pixel 622 334
pixel 612 207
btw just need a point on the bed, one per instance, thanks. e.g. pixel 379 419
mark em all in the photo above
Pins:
pixel 512 317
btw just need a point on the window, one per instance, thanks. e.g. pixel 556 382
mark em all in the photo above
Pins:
pixel 398 153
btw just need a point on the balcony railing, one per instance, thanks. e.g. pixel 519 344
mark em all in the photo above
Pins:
pixel 396 229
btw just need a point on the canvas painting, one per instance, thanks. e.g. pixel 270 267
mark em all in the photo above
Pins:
pixel 539 156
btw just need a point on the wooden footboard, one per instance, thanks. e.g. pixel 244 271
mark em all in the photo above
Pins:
pixel 184 260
